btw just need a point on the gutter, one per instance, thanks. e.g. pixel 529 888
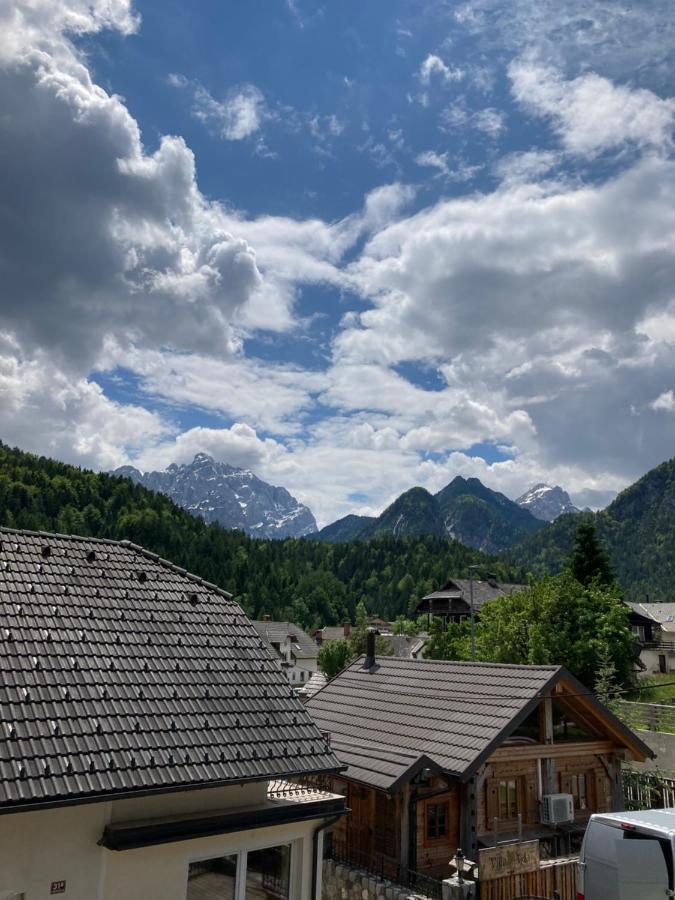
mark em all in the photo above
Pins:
pixel 315 849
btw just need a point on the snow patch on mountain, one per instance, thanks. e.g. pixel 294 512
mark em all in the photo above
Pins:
pixel 235 498
pixel 547 502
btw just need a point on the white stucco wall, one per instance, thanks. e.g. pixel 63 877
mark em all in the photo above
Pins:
pixel 39 848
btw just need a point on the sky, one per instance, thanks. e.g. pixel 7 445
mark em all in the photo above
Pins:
pixel 352 246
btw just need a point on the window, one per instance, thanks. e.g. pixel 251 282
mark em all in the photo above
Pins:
pixel 639 632
pixel 507 798
pixel 213 879
pixel 254 875
pixel 578 791
pixel 268 873
pixel 437 820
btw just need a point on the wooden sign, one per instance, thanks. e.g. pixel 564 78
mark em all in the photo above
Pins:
pixel 58 887
pixel 509 859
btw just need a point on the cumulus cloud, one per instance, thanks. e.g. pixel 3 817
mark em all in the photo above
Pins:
pixel 665 401
pixel 590 113
pixel 434 66
pixel 47 411
pixel 237 116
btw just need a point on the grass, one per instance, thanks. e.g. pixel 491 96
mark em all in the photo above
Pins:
pixel 661 689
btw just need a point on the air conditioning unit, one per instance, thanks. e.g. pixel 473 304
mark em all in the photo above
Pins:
pixel 557 808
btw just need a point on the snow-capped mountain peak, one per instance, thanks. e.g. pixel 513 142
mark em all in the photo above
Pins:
pixel 547 502
pixel 236 498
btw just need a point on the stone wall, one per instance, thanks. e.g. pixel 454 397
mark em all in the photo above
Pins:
pixel 343 882
pixel 663 744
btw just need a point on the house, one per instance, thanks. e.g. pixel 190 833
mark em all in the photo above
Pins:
pixel 441 755
pixel 452 602
pixel 295 649
pixel 406 646
pixel 653 625
pixel 331 633
pixel 147 735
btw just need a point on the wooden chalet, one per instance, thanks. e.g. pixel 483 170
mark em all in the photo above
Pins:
pixel 442 755
pixel 452 602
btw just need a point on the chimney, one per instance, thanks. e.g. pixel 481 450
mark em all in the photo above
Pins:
pixel 266 618
pixel 318 636
pixel 346 627
pixel 371 634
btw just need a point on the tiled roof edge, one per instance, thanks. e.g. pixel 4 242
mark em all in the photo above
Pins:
pixel 123 543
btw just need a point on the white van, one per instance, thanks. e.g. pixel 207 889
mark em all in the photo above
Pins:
pixel 628 856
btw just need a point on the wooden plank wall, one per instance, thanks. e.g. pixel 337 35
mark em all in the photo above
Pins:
pixel 435 854
pixel 553 875
pixel 599 788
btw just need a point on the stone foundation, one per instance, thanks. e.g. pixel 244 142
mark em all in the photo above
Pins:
pixel 343 882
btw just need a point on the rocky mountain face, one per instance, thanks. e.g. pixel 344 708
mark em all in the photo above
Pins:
pixel 414 513
pixel 465 510
pixel 482 518
pixel 546 502
pixel 235 498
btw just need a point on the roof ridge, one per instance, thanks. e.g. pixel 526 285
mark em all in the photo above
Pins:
pixel 167 564
pixel 459 662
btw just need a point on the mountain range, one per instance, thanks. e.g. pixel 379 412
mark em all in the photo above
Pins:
pixel 464 510
pixel 233 497
pixel 308 580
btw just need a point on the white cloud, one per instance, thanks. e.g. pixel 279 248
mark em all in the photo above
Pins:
pixel 237 116
pixel 434 66
pixel 665 401
pixel 590 113
pixel 432 160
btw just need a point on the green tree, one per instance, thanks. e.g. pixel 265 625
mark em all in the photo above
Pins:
pixel 334 656
pixel 447 643
pixel 606 688
pixel 558 621
pixel 402 625
pixel 589 560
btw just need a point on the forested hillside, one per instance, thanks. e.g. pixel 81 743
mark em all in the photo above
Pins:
pixel 637 528
pixel 301 580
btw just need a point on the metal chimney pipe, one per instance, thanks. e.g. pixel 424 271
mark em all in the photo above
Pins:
pixel 371 634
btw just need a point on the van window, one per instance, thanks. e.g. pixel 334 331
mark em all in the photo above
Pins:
pixel 623 865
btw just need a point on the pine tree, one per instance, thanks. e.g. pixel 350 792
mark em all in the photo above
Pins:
pixel 589 560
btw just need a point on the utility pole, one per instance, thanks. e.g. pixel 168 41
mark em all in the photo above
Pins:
pixel 473 617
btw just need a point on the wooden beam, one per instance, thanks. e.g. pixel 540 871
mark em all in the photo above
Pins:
pixel 405 828
pixel 521 752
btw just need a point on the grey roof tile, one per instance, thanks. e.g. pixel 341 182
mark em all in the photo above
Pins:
pixel 123 673
pixel 383 721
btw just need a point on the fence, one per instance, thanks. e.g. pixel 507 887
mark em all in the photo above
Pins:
pixel 647 716
pixel 648 790
pixel 383 867
pixel 554 876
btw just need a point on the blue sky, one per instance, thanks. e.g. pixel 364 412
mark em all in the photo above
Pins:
pixel 354 246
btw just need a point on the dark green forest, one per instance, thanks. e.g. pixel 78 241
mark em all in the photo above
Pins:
pixel 305 581
pixel 637 529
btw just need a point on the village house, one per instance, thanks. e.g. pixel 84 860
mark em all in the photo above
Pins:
pixel 441 755
pixel 653 625
pixel 452 603
pixel 146 736
pixel 295 649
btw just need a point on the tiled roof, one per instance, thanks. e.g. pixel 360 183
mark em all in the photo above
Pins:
pixel 402 715
pixel 332 632
pixel 122 673
pixel 661 613
pixel 483 591
pixel 315 683
pixel 303 647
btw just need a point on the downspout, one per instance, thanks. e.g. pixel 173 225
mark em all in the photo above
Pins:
pixel 315 849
